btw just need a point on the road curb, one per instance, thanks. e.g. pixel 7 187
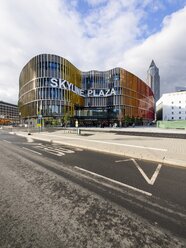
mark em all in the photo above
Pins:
pixel 177 163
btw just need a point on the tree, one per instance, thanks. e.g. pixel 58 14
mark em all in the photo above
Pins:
pixel 127 120
pixel 66 119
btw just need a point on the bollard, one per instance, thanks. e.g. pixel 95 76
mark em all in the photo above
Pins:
pixel 78 131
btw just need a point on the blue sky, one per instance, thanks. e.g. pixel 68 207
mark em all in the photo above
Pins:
pixel 94 34
pixel 154 11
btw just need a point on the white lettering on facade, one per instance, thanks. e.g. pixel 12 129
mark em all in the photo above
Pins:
pixel 112 92
pixel 101 93
pixel 69 85
pixel 107 92
pixel 94 93
pixel 64 84
pixel 82 93
pixel 53 82
pixel 90 92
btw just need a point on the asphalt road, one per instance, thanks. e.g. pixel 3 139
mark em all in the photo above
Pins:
pixel 152 191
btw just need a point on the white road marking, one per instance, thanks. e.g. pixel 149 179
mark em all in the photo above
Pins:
pixel 29 139
pixel 61 149
pixel 78 149
pixel 114 181
pixel 32 150
pixel 125 160
pixel 7 141
pixel 118 144
pixel 154 176
pixel 58 151
pixel 151 180
pixel 50 150
pixel 11 132
pixel 40 146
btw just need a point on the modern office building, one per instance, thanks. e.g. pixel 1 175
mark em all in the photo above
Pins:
pixel 172 106
pixel 153 80
pixel 8 113
pixel 52 88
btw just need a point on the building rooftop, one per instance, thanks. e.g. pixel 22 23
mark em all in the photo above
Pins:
pixel 7 103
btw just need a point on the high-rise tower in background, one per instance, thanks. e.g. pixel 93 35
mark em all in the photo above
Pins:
pixel 153 80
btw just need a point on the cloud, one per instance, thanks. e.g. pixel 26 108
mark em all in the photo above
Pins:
pixel 110 30
pixel 167 48
pixel 33 27
pixel 108 34
pixel 29 28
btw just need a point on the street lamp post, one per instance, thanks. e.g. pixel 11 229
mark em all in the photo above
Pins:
pixel 19 118
pixel 29 126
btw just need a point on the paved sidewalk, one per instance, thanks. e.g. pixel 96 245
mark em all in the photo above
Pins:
pixel 163 150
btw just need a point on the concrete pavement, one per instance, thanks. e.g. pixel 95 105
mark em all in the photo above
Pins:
pixel 163 150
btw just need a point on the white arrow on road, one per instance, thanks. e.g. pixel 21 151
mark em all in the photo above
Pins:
pixel 151 180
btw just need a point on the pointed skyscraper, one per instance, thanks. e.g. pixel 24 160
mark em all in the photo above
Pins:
pixel 153 80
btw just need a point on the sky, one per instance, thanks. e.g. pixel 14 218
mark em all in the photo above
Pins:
pixel 94 35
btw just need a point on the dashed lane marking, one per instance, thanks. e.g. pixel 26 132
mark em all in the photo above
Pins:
pixel 114 181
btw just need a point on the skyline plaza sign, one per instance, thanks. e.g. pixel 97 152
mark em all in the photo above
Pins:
pixel 64 84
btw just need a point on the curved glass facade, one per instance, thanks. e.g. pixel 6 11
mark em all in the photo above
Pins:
pixel 51 86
